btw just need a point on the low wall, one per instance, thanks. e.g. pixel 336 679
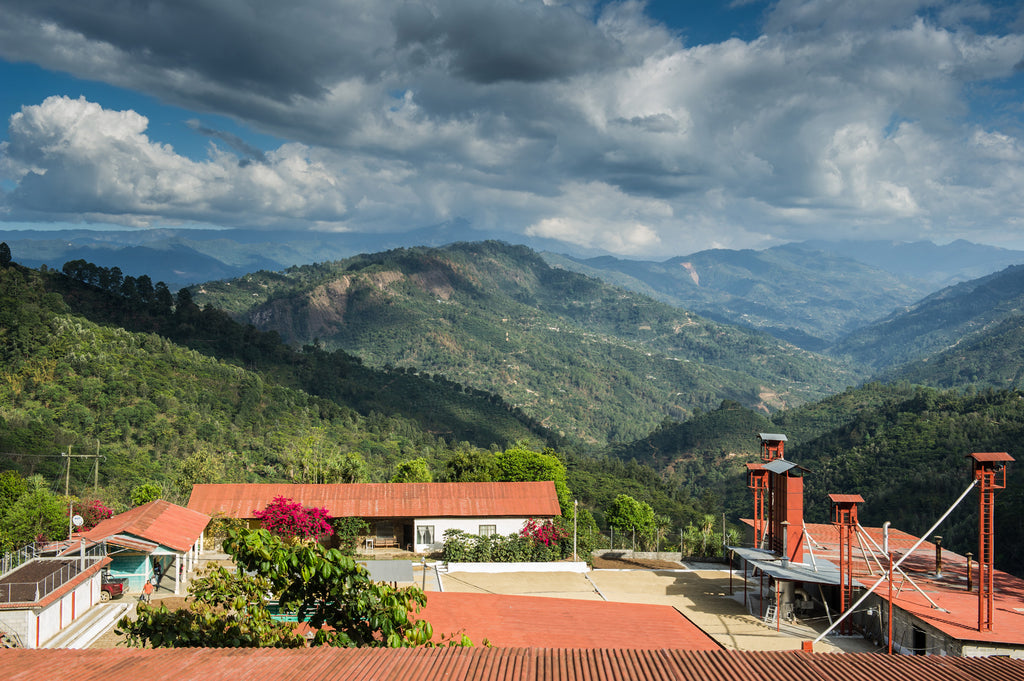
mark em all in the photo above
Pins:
pixel 559 566
pixel 645 555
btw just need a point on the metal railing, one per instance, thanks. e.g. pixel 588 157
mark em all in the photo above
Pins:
pixel 12 560
pixel 29 592
pixel 15 559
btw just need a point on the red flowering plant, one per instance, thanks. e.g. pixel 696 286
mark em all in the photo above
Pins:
pixel 545 532
pixel 287 518
pixel 93 511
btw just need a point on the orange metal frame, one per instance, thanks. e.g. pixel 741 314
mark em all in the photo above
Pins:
pixel 990 472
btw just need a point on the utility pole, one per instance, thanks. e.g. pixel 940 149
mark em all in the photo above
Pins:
pixel 575 515
pixel 95 473
pixel 67 475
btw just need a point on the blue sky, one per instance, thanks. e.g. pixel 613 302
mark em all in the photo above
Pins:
pixel 638 129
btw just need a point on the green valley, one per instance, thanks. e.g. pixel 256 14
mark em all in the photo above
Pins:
pixel 592 362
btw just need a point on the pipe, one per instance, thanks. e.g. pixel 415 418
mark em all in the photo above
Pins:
pixel 905 556
pixel 906 577
pixel 890 591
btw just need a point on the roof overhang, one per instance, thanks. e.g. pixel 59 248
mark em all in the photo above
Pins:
pixel 818 571
pixel 783 466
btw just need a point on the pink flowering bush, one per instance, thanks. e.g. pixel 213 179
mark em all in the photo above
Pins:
pixel 546 532
pixel 93 512
pixel 287 518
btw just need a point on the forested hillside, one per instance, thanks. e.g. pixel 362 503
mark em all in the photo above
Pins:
pixel 436 404
pixel 165 416
pixel 937 323
pixel 993 357
pixel 170 394
pixel 162 413
pixel 807 297
pixel 593 362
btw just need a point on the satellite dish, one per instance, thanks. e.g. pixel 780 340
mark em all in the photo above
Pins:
pixel 77 520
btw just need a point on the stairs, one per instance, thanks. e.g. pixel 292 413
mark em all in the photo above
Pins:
pixel 94 623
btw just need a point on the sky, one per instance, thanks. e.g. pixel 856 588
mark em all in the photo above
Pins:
pixel 638 129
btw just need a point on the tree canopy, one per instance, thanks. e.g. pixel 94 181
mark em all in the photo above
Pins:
pixel 519 464
pixel 325 588
pixel 627 515
pixel 413 470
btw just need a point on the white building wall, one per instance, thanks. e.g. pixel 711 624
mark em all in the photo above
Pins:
pixel 36 629
pixel 502 526
pixel 47 625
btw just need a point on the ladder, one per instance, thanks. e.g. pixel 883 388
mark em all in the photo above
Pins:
pixel 985 557
pixel 769 615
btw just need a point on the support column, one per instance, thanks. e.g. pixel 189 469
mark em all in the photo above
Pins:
pixel 990 472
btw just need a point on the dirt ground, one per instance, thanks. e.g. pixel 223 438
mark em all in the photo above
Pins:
pixel 601 563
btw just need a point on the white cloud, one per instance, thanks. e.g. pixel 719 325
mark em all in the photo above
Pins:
pixel 71 158
pixel 600 130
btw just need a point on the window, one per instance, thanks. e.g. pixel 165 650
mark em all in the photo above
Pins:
pixel 384 530
pixel 920 641
pixel 488 530
pixel 424 534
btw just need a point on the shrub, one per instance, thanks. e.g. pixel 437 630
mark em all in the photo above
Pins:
pixel 286 518
pixel 93 512
pixel 456 546
pixel 347 532
pixel 546 533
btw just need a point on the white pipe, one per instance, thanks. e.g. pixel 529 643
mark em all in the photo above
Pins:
pixel 905 556
pixel 810 549
pixel 905 575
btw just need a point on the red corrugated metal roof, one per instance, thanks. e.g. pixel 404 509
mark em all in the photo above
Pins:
pixel 990 456
pixel 387 500
pixel 846 498
pixel 158 521
pixel 493 664
pixel 533 621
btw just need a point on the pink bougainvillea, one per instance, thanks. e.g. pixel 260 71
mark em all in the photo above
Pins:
pixel 287 518
pixel 544 532
pixel 93 511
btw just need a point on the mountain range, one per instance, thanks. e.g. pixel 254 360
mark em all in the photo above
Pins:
pixel 811 294
pixel 591 361
pixel 435 351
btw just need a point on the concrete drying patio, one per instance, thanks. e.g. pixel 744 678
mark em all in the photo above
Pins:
pixel 703 596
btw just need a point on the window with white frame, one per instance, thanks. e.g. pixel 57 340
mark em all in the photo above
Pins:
pixel 488 530
pixel 424 534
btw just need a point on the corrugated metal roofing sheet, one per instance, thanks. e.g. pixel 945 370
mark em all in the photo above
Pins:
pixel 989 456
pixel 387 500
pixel 529 621
pixel 158 521
pixel 846 498
pixel 782 466
pixel 493 664
pixel 816 571
pixel 772 437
